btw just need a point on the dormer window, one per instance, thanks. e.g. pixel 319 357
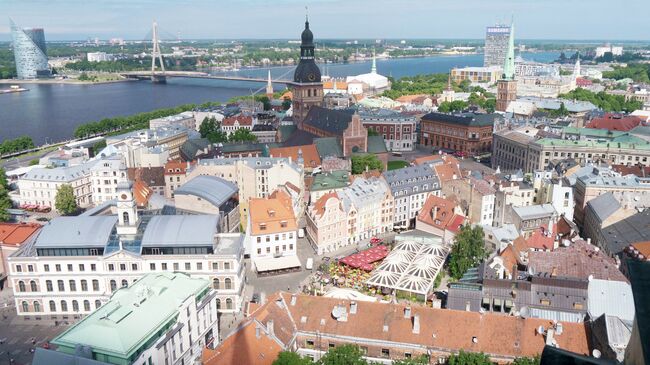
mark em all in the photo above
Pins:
pixel 263 226
pixel 283 224
pixel 271 212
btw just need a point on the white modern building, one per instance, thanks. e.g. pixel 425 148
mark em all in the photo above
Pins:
pixel 75 263
pixel 163 318
pixel 98 56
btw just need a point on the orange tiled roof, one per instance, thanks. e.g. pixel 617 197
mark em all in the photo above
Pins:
pixel 176 167
pixel 444 212
pixel 319 206
pixel 643 248
pixel 15 234
pixel 273 214
pixel 244 347
pixel 541 240
pixel 309 154
pixel 242 119
pixel 497 335
pixel 142 192
pixel 340 85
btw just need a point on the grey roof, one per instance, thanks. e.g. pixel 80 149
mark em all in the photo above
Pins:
pixel 465 119
pixel 604 206
pixel 376 144
pixel 253 162
pixel 613 298
pixel 191 147
pixel 229 244
pixel 330 120
pixel 328 146
pixel 621 234
pixel 362 191
pixel 180 230
pixel 613 332
pixel 553 315
pixel 60 174
pixel 52 357
pixel 534 211
pixel 407 178
pixel 211 188
pixel 82 231
pixel 573 106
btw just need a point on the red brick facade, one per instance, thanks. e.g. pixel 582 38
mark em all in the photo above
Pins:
pixel 472 140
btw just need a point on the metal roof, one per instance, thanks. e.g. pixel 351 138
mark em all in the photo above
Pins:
pixel 410 177
pixel 604 206
pixel 534 211
pixel 180 230
pixel 134 315
pixel 82 231
pixel 211 188
pixel 613 298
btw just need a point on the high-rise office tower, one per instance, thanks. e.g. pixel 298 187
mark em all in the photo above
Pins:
pixel 30 53
pixel 496 45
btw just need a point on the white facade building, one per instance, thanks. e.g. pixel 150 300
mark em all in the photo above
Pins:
pixel 410 186
pixel 39 186
pixel 104 176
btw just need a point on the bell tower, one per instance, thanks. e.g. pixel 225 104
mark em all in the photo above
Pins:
pixel 307 87
pixel 127 212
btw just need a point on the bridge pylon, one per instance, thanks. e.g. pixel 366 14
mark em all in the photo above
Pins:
pixel 157 77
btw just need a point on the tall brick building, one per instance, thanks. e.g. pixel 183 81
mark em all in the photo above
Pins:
pixel 468 132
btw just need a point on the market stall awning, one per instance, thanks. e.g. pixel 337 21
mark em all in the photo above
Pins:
pixel 276 263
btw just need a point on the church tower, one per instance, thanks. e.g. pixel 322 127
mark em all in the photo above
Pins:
pixel 507 85
pixel 269 87
pixel 127 212
pixel 307 87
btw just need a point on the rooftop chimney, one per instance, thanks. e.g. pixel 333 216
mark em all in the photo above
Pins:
pixel 293 300
pixel 407 312
pixel 416 324
pixel 353 307
pixel 257 332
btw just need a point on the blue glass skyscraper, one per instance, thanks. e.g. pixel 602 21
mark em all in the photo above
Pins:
pixel 30 53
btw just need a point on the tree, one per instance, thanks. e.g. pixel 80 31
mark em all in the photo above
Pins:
pixel 452 106
pixel 343 355
pixel 98 147
pixel 211 129
pixel 265 102
pixel 286 104
pixel 535 360
pixel 360 162
pixel 291 358
pixel 242 135
pixel 469 358
pixel 5 201
pixel 65 201
pixel 468 250
pixel 421 360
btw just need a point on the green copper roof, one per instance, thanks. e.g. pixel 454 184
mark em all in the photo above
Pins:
pixel 590 132
pixel 330 180
pixel 631 142
pixel 509 64
pixel 133 319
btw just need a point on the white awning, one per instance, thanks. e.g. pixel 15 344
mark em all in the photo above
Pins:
pixel 276 263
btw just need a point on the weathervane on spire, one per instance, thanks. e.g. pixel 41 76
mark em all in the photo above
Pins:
pixel 306 13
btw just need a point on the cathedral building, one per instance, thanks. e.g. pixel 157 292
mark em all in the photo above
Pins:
pixel 307 86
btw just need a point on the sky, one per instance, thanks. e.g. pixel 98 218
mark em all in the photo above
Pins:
pixel 330 19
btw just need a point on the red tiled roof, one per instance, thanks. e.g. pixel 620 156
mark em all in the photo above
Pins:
pixel 142 192
pixel 444 213
pixel 176 167
pixel 319 206
pixel 15 234
pixel 541 240
pixel 309 154
pixel 241 119
pixel 456 223
pixel 614 122
pixel 633 169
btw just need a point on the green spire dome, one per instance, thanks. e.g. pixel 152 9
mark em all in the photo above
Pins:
pixel 509 65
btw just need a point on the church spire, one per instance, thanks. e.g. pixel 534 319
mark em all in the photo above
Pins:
pixel 374 63
pixel 269 86
pixel 509 64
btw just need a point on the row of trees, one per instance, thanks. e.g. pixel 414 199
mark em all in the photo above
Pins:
pixel 132 122
pixel 210 128
pixel 5 201
pixel 16 145
pixel 369 161
pixel 607 102
pixel 352 355
pixel 638 72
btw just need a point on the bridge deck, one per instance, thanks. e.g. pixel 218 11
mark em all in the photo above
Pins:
pixel 200 75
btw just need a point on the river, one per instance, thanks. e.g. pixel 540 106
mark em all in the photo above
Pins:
pixel 50 112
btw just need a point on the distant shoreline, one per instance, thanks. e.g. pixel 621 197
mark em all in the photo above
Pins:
pixel 59 81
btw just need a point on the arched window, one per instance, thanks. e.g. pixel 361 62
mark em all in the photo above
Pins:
pixel 125 216
pixel 52 306
pixel 84 285
pixel 48 285
pixel 125 283
pixel 64 306
pixel 25 307
pixel 73 285
pixel 60 284
pixel 21 286
pixel 216 284
pixel 228 303
pixel 98 303
pixel 32 286
pixel 218 304
pixel 75 306
pixel 113 285
pixel 37 307
pixel 95 285
pixel 87 305
pixel 228 283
